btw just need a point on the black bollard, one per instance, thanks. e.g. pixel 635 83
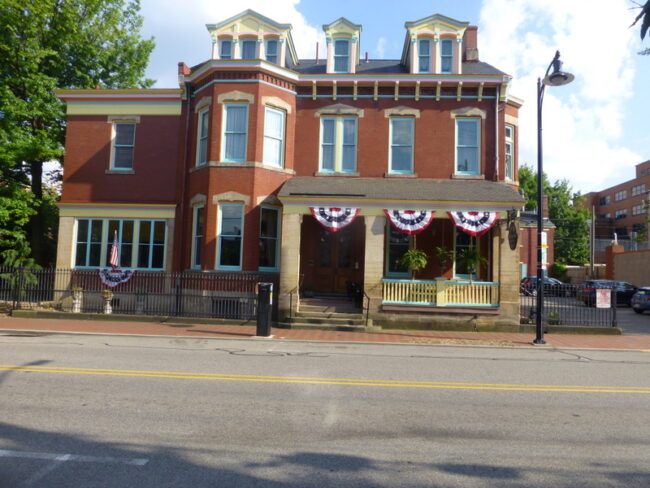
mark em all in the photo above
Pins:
pixel 264 291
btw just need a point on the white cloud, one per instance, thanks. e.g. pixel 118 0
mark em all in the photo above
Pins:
pixel 380 50
pixel 583 121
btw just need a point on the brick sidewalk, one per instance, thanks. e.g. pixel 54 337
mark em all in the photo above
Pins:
pixel 8 324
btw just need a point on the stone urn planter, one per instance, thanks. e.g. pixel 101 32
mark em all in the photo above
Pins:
pixel 107 296
pixel 77 299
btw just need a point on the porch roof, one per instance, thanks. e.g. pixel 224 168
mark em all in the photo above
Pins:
pixel 412 193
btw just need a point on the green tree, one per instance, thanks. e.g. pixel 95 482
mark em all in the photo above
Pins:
pixel 566 211
pixel 644 17
pixel 48 44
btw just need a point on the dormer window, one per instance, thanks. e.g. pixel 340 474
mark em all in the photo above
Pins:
pixel 424 53
pixel 272 51
pixel 341 56
pixel 447 56
pixel 225 49
pixel 248 48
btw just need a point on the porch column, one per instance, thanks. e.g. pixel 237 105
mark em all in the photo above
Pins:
pixel 65 244
pixel 289 265
pixel 374 260
pixel 508 276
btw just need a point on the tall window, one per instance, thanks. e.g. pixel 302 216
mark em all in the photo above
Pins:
pixel 510 145
pixel 447 56
pixel 273 137
pixel 198 231
pixel 202 142
pixel 95 239
pixel 123 144
pixel 467 146
pixel 401 144
pixel 248 48
pixel 272 50
pixel 424 55
pixel 463 242
pixel 341 56
pixel 235 132
pixel 338 144
pixel 231 220
pixel 398 244
pixel 225 49
pixel 269 237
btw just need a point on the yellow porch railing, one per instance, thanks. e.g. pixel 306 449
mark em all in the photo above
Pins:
pixel 441 293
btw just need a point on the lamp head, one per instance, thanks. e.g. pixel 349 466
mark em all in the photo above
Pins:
pixel 557 77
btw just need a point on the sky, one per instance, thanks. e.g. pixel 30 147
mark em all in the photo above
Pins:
pixel 595 129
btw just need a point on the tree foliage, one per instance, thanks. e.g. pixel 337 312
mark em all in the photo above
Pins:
pixel 48 44
pixel 644 17
pixel 566 211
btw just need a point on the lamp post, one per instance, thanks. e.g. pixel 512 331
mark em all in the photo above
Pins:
pixel 556 78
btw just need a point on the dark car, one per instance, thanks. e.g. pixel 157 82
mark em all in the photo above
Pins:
pixel 641 299
pixel 552 287
pixel 623 289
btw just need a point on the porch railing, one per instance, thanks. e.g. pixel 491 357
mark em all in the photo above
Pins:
pixel 441 293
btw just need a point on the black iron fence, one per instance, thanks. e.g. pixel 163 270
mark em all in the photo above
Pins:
pixel 568 304
pixel 210 294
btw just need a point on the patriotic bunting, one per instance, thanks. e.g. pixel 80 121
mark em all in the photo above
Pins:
pixel 410 221
pixel 474 223
pixel 334 218
pixel 112 277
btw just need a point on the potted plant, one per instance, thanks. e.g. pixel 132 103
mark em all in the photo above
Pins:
pixel 77 298
pixel 471 259
pixel 107 296
pixel 445 257
pixel 414 260
pixel 140 300
pixel 554 318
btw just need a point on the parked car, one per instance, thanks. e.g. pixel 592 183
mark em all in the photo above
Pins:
pixel 552 287
pixel 641 299
pixel 623 289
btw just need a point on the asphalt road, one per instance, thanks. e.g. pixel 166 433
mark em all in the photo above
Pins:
pixel 109 411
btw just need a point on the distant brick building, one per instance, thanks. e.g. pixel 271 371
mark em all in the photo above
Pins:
pixel 245 166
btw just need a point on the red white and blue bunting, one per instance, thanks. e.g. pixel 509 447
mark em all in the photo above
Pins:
pixel 410 221
pixel 334 218
pixel 112 277
pixel 474 223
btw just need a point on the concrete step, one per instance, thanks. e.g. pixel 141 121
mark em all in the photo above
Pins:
pixel 335 327
pixel 336 320
pixel 330 315
pixel 330 308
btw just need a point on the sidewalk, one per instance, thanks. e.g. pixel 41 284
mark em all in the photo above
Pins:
pixel 10 325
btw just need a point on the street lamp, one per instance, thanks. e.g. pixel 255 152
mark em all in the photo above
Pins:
pixel 556 78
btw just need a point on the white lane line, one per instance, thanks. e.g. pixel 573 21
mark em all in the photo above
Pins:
pixel 47 469
pixel 73 457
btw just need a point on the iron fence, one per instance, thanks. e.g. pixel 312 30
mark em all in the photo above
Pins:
pixel 211 294
pixel 567 304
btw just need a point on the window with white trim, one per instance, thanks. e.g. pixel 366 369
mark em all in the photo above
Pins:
pixel 510 147
pixel 95 239
pixel 637 209
pixel 468 146
pixel 202 139
pixel 271 54
pixel 123 145
pixel 638 189
pixel 620 214
pixel 424 56
pixel 620 195
pixel 235 132
pixel 398 244
pixel 338 144
pixel 401 144
pixel 231 230
pixel 447 56
pixel 225 49
pixel 273 137
pixel 341 55
pixel 249 48
pixel 198 232
pixel 269 238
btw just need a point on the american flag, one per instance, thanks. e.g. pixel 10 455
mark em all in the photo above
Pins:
pixel 114 259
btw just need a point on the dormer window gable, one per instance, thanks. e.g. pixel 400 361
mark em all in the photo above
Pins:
pixel 251 36
pixel 434 45
pixel 342 46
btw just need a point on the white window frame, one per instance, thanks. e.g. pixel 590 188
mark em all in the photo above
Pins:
pixel 114 145
pixel 637 209
pixel 195 222
pixel 267 137
pixel 224 133
pixel 339 124
pixel 445 56
pixel 510 152
pixel 458 121
pixel 276 258
pixel 202 136
pixel 267 54
pixel 428 57
pixel 345 56
pixel 240 236
pixel 620 195
pixel 392 145
pixel 638 189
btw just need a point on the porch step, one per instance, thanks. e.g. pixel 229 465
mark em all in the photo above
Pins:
pixel 329 315
pixel 330 319
pixel 327 326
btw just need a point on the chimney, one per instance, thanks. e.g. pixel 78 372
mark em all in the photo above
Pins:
pixel 366 56
pixel 316 53
pixel 470 44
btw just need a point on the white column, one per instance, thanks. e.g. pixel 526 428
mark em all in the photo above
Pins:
pixel 373 270
pixel 289 264
pixel 330 55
